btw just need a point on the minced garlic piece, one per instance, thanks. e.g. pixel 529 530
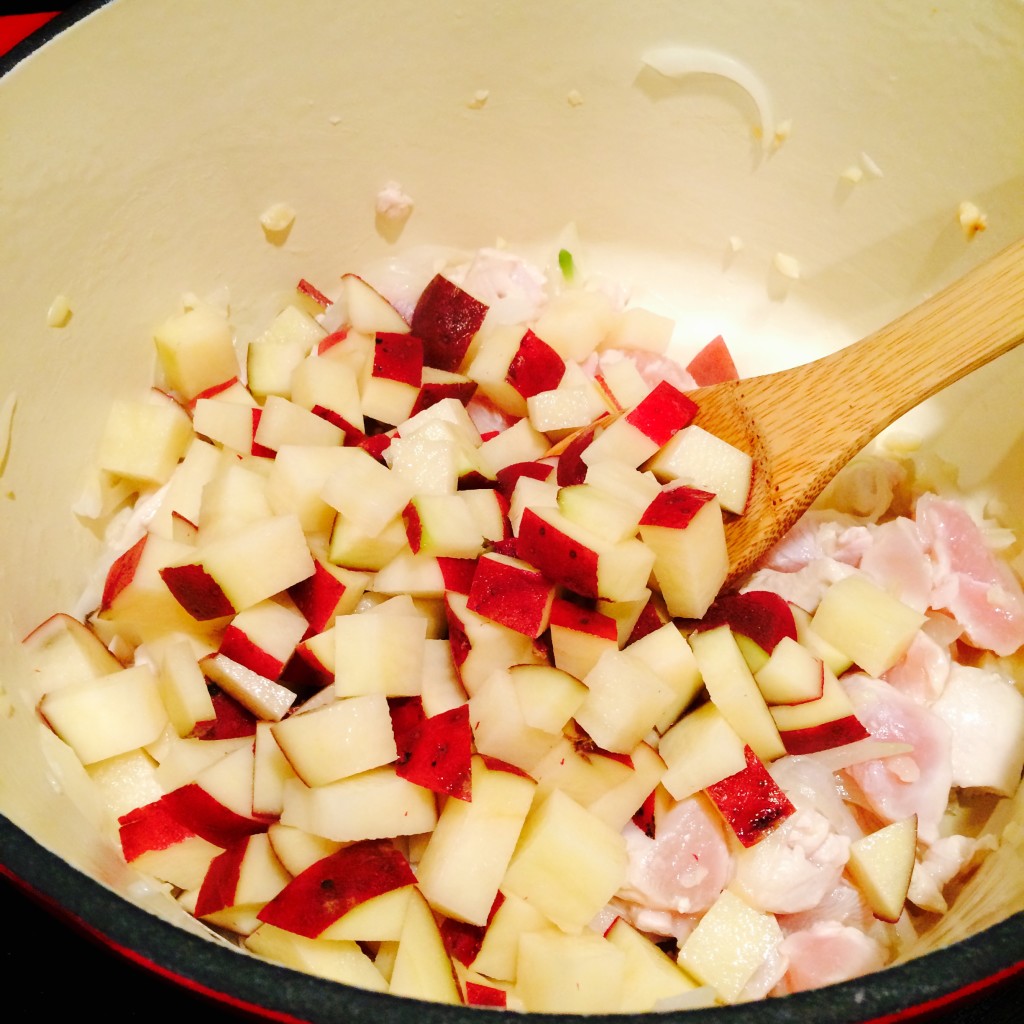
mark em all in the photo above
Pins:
pixel 277 218
pixel 393 203
pixel 479 99
pixel 870 167
pixel 574 98
pixel 853 174
pixel 786 265
pixel 972 220
pixel 59 312
pixel 782 132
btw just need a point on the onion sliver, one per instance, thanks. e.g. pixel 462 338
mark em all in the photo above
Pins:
pixel 838 758
pixel 678 62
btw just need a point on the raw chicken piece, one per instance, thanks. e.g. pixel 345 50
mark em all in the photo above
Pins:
pixel 985 714
pixel 795 867
pixel 685 867
pixel 922 672
pixel 843 905
pixel 980 591
pixel 819 535
pixel 826 953
pixel 896 560
pixel 941 863
pixel 805 587
pixel 915 783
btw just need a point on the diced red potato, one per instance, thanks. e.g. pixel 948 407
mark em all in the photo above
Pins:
pixel 764 842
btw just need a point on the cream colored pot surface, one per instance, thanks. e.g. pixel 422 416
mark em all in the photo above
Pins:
pixel 141 146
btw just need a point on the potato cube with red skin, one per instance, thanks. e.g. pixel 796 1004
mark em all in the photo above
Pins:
pixel 578 559
pixel 446 317
pixel 512 592
pixel 579 636
pixel 466 856
pixel 391 392
pixel 683 528
pixel 713 364
pixel 335 885
pixel 433 751
pixel 636 436
pixel 750 801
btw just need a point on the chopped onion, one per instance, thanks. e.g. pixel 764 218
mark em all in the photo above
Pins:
pixel 681 61
pixel 838 758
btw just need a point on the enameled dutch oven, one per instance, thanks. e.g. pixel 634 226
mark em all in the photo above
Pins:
pixel 142 139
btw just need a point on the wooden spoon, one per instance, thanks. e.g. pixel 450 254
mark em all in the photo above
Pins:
pixel 804 424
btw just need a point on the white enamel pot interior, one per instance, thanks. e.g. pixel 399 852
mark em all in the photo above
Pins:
pixel 143 140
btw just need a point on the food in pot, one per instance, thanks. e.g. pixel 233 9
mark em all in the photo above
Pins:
pixel 411 664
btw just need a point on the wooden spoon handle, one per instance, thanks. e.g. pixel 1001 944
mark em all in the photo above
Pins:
pixel 804 424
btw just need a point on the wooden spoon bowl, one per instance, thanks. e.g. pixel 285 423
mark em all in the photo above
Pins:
pixel 804 424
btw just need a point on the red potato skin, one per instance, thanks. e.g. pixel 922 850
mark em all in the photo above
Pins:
pixel 334 338
pixel 457 573
pixel 413 527
pixel 458 641
pixel 750 801
pixel 122 572
pixel 446 317
pixel 327 890
pixel 433 752
pixel 462 941
pixel 231 719
pixel 399 357
pixel 535 367
pixel 485 995
pixel 208 817
pixel 571 468
pixel 305 288
pixel 375 444
pixel 495 764
pixel 675 507
pixel 836 733
pixel 184 812
pixel 197 591
pixel 509 476
pixel 645 817
pixel 317 597
pixel 237 645
pixel 210 392
pixel 260 450
pixel 713 364
pixel 150 827
pixel 352 434
pixel 663 413
pixel 561 559
pixel 569 615
pixel 516 597
pixel 221 881
pixel 432 392
pixel 650 619
pixel 759 615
